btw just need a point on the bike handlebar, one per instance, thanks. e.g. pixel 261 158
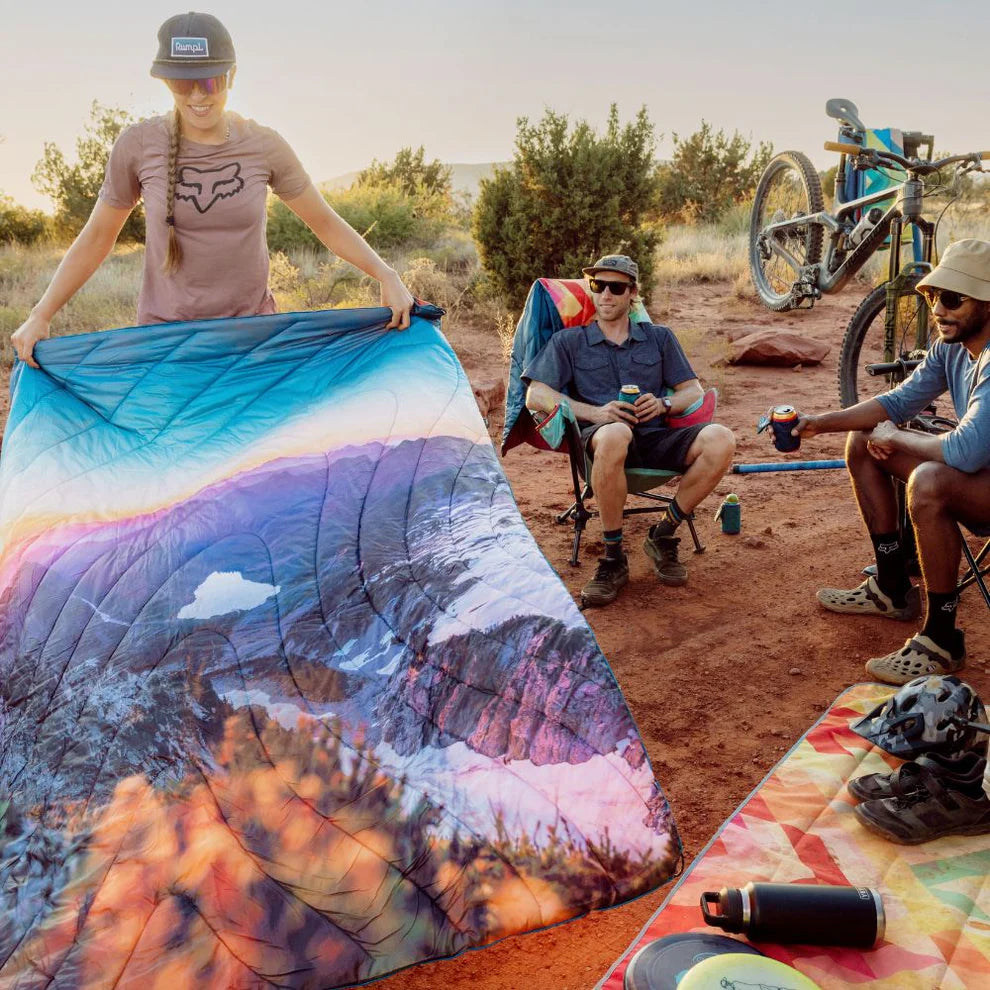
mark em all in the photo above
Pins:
pixel 900 366
pixel 844 149
pixel 912 164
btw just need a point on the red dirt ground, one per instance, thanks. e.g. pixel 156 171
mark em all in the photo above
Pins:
pixel 725 674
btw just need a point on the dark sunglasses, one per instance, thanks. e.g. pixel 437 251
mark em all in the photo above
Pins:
pixel 599 285
pixel 211 86
pixel 949 298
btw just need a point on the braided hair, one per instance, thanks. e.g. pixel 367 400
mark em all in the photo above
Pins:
pixel 173 256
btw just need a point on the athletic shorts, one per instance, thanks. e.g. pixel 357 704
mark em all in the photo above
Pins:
pixel 665 450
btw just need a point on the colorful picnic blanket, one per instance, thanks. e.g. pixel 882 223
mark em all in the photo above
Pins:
pixel 288 695
pixel 798 826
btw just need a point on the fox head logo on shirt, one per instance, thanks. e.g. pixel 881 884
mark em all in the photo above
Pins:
pixel 203 187
pixel 190 48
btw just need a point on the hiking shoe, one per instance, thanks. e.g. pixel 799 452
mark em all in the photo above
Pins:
pixel 908 778
pixel 919 656
pixel 868 599
pixel 604 587
pixel 942 805
pixel 662 550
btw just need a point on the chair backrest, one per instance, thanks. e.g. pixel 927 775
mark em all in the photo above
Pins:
pixel 552 304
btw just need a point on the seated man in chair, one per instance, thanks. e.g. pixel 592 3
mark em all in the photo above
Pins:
pixel 947 475
pixel 592 363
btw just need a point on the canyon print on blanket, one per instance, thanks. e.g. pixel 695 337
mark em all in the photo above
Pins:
pixel 289 697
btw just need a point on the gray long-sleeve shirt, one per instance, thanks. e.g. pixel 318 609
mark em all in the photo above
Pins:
pixel 950 367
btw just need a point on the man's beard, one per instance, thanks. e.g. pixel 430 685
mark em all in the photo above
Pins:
pixel 972 327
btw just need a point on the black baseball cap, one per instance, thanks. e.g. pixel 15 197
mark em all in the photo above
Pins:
pixel 192 46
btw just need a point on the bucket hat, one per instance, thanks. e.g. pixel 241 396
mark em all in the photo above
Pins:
pixel 192 46
pixel 615 263
pixel 964 268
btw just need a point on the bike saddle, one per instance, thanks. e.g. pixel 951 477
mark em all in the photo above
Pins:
pixel 845 111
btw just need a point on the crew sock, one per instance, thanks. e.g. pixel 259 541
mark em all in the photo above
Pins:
pixel 891 567
pixel 940 623
pixel 672 517
pixel 613 545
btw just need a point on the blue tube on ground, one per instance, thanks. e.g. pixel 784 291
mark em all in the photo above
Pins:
pixel 792 466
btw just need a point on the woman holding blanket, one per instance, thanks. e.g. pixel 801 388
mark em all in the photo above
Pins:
pixel 203 174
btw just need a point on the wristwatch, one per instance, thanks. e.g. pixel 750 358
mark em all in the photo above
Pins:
pixel 666 403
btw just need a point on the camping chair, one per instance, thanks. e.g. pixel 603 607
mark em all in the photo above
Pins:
pixel 552 305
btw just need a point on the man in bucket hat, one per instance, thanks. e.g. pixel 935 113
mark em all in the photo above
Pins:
pixel 947 475
pixel 592 363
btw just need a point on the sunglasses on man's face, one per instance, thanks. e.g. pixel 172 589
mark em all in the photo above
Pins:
pixel 209 87
pixel 947 297
pixel 599 285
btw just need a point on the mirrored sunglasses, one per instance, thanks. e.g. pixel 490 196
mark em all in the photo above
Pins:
pixel 599 285
pixel 211 86
pixel 949 298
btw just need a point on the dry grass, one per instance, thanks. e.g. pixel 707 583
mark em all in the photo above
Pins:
pixel 448 275
pixel 108 300
pixel 702 253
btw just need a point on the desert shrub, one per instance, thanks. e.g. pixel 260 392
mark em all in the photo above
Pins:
pixel 708 173
pixel 568 197
pixel 413 175
pixel 307 281
pixel 384 214
pixel 73 186
pixel 427 281
pixel 18 224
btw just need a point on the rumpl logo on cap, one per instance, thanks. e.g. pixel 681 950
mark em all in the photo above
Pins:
pixel 190 48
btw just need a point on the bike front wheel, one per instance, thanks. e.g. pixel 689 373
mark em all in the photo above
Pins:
pixel 865 344
pixel 788 189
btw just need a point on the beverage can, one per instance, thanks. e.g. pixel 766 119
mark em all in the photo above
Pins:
pixel 783 419
pixel 629 393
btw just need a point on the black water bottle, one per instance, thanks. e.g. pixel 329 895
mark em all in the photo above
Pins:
pixel 797 912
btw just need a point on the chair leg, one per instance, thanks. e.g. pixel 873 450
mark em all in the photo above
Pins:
pixel 580 514
pixel 698 548
pixel 975 575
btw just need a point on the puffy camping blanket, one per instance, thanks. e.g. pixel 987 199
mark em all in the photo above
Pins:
pixel 288 695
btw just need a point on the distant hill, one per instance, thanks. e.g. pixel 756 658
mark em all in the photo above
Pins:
pixel 466 176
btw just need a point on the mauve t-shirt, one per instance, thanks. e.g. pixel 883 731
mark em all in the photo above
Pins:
pixel 220 200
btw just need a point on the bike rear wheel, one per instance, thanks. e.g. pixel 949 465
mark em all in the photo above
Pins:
pixel 864 343
pixel 788 188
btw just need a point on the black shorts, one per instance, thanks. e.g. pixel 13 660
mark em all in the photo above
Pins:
pixel 665 450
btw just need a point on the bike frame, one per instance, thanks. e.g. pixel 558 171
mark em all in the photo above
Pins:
pixel 821 275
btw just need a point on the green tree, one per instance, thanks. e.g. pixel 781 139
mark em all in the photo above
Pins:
pixel 410 173
pixel 18 224
pixel 709 173
pixel 568 197
pixel 73 186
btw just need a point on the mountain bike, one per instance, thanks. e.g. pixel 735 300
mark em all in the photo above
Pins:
pixel 799 251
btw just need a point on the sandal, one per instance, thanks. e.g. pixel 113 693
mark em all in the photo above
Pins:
pixel 868 599
pixel 918 657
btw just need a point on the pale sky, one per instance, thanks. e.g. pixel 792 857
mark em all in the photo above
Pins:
pixel 348 83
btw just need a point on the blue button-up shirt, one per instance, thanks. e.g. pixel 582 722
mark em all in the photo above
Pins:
pixel 583 363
